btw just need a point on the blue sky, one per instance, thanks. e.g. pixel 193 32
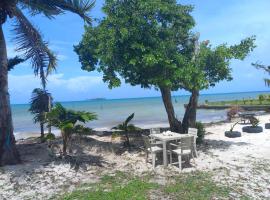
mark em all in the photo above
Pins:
pixel 223 21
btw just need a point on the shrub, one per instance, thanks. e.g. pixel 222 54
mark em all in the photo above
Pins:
pixel 201 132
pixel 261 98
pixel 254 121
pixel 232 112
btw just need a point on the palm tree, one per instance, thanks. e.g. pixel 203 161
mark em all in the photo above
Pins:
pixel 39 106
pixel 126 127
pixel 30 42
pixel 66 121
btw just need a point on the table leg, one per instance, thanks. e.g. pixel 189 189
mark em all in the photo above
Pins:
pixel 165 160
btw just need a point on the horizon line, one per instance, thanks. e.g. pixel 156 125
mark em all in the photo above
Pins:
pixel 183 95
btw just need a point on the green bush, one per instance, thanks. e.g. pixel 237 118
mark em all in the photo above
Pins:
pixel 254 121
pixel 49 136
pixel 201 132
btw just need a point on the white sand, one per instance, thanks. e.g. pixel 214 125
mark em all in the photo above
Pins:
pixel 242 163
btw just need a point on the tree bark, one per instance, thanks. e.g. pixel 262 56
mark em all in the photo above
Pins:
pixel 50 108
pixel 189 119
pixel 42 138
pixel 8 151
pixel 175 124
pixel 65 141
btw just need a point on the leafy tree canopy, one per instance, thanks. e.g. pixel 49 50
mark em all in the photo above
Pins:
pixel 142 41
pixel 211 65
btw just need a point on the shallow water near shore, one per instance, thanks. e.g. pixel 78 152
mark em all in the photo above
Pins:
pixel 149 112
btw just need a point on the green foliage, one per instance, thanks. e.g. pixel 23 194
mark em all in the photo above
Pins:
pixel 63 119
pixel 39 107
pixel 12 62
pixel 28 39
pixel 39 104
pixel 264 68
pixel 201 132
pixel 66 120
pixel 126 127
pixel 261 98
pixel 142 41
pixel 254 121
pixel 211 65
pixel 49 137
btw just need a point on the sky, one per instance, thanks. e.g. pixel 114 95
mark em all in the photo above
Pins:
pixel 223 21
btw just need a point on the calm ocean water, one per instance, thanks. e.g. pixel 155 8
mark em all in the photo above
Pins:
pixel 149 112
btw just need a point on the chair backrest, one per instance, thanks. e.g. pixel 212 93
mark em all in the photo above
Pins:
pixel 154 131
pixel 186 143
pixel 193 131
pixel 147 143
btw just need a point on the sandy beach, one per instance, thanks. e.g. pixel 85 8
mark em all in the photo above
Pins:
pixel 240 162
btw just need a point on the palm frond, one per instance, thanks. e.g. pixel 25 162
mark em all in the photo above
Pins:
pixel 46 7
pixel 129 118
pixel 12 62
pixel 30 42
pixel 267 82
pixel 80 7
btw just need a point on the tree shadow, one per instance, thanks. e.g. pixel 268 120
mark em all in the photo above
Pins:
pixel 222 145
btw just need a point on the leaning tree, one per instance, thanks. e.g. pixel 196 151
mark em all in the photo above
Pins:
pixel 207 67
pixel 30 42
pixel 144 43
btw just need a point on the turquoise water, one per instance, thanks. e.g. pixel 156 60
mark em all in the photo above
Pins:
pixel 148 111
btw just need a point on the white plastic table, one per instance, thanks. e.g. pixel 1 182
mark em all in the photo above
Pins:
pixel 167 138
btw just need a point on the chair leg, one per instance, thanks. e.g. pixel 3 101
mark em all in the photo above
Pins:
pixel 180 162
pixel 146 157
pixel 170 157
pixel 154 160
pixel 195 150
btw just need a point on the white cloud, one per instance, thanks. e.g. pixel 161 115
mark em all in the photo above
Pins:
pixel 62 88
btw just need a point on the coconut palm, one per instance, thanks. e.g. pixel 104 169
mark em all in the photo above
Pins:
pixel 39 106
pixel 126 127
pixel 34 48
pixel 66 121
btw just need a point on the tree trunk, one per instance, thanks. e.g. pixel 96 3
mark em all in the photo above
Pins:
pixel 8 151
pixel 42 138
pixel 49 123
pixel 189 119
pixel 65 141
pixel 175 125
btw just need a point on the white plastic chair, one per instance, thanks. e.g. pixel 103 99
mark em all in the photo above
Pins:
pixel 155 131
pixel 152 148
pixel 183 148
pixel 194 132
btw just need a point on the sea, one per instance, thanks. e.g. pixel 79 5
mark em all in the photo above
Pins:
pixel 149 112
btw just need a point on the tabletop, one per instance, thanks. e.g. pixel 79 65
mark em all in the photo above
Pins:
pixel 169 136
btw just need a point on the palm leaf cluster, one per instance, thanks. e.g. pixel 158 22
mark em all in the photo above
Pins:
pixel 28 38
pixel 39 104
pixel 63 118
pixel 266 69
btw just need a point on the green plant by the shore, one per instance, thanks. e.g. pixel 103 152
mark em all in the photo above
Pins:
pixel 39 107
pixel 201 132
pixel 66 120
pixel 126 127
pixel 254 121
